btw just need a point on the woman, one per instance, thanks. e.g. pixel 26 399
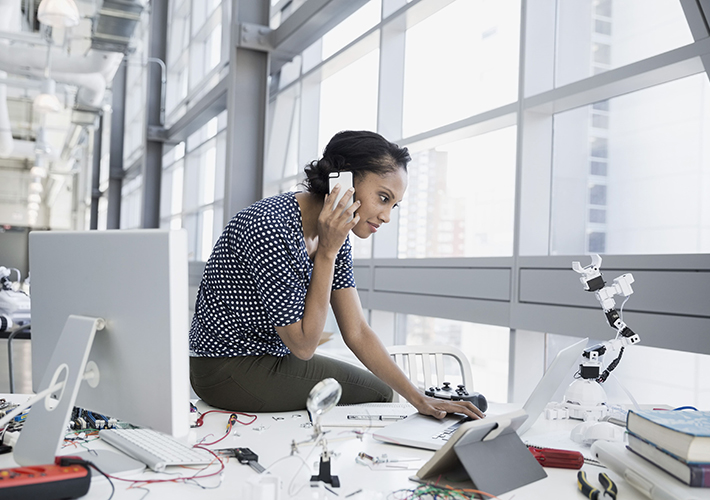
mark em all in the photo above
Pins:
pixel 272 275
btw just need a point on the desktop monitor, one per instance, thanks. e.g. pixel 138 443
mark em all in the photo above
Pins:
pixel 135 282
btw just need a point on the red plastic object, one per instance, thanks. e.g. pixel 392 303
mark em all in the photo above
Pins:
pixel 562 459
pixel 45 482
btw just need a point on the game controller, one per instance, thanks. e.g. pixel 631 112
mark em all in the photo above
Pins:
pixel 458 394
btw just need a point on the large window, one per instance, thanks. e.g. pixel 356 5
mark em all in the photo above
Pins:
pixel 537 135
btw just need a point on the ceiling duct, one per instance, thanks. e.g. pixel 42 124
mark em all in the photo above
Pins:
pixel 116 20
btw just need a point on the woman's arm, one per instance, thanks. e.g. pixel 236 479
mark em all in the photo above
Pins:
pixel 303 336
pixel 368 348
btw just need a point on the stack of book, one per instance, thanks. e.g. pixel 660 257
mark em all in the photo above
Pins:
pixel 676 441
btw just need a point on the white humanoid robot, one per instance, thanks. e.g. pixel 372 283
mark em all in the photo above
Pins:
pixel 14 303
pixel 585 398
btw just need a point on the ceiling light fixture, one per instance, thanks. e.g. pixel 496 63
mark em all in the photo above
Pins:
pixel 36 187
pixel 32 217
pixel 34 198
pixel 58 13
pixel 46 101
pixel 38 171
pixel 33 206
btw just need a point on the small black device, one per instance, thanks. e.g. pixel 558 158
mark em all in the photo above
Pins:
pixel 245 456
pixel 458 394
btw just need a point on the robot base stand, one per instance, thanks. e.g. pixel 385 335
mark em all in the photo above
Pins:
pixel 324 472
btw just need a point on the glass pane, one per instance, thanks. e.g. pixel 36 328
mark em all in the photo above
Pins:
pixel 220 166
pixel 131 193
pixel 598 35
pixel 358 23
pixel 282 150
pixel 349 99
pixel 171 191
pixel 362 249
pixel 648 173
pixel 177 54
pixel 191 182
pixel 191 225
pixel 460 199
pixel 207 172
pixel 176 191
pixel 213 48
pixel 485 346
pixel 166 182
pixel 469 66
pixel 208 240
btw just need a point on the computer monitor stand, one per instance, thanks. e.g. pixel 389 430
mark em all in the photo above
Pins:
pixel 46 424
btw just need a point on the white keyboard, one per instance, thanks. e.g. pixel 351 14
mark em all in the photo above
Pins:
pixel 155 449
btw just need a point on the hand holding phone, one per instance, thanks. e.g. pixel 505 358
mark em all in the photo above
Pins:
pixel 345 179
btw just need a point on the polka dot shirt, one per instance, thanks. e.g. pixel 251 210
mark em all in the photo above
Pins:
pixel 256 279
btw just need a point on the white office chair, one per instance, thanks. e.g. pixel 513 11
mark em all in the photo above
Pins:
pixel 425 365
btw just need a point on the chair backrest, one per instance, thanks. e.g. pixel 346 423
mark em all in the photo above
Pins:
pixel 425 365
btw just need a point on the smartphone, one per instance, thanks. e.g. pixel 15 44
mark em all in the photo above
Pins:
pixel 345 179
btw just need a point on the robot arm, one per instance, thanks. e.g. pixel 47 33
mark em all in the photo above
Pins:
pixel 594 282
pixel 585 398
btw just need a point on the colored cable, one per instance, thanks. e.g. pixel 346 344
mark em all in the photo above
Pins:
pixel 233 419
pixel 201 418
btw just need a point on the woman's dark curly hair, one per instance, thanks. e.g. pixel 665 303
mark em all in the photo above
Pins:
pixel 356 151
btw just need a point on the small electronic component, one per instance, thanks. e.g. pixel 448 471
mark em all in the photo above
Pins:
pixel 84 419
pixel 245 456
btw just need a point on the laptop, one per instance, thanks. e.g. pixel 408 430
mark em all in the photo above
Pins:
pixel 650 480
pixel 422 431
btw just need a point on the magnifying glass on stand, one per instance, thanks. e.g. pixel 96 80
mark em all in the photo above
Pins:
pixel 322 398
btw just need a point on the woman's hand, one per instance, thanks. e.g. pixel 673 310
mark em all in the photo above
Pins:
pixel 439 408
pixel 334 221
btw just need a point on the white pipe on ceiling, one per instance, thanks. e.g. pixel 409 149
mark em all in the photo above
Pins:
pixel 6 140
pixel 9 16
pixel 88 72
pixel 35 57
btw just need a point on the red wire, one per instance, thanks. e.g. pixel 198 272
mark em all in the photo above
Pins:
pixel 232 420
pixel 137 482
pixel 200 420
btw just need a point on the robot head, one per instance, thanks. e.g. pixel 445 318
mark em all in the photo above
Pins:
pixel 591 275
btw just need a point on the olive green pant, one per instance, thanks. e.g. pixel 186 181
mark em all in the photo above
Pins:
pixel 270 383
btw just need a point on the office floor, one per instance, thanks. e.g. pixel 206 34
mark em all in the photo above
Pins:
pixel 22 364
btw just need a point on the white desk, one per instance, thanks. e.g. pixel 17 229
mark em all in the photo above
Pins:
pixel 273 445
